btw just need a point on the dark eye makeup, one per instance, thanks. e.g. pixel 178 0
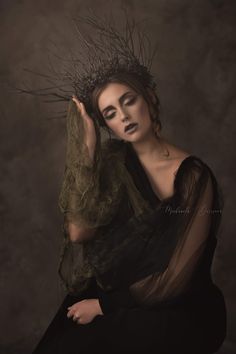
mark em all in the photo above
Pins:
pixel 128 103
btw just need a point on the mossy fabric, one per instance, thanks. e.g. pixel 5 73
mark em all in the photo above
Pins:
pixel 90 196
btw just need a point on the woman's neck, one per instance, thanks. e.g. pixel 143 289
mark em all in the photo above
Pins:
pixel 151 149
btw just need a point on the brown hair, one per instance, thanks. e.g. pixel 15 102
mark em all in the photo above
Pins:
pixel 136 84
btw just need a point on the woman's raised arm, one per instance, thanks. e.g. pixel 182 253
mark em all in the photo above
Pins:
pixel 79 234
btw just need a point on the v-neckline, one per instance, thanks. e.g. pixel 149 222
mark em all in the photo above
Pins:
pixel 148 187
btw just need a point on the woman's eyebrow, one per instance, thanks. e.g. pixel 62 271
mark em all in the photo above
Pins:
pixel 121 99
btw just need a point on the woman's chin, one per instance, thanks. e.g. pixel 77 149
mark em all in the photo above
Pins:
pixel 135 137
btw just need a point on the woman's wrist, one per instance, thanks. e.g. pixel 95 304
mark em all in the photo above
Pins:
pixel 99 310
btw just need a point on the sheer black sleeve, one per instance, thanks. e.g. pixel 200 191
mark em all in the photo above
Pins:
pixel 184 224
pixel 196 199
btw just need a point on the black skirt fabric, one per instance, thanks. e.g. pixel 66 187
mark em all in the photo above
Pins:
pixel 194 325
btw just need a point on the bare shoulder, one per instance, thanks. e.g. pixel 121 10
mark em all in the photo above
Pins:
pixel 176 154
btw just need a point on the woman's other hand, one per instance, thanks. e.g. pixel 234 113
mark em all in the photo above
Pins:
pixel 84 311
pixel 90 132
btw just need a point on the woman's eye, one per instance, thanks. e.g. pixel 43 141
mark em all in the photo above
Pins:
pixel 110 116
pixel 127 104
pixel 131 101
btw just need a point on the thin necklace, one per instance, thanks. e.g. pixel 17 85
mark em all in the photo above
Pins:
pixel 166 154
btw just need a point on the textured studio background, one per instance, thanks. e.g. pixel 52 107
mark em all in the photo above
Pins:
pixel 196 78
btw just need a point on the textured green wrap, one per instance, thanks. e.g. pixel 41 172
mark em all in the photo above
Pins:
pixel 90 195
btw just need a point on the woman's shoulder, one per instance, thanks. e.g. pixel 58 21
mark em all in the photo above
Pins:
pixel 196 174
pixel 182 158
pixel 189 168
pixel 193 174
pixel 192 167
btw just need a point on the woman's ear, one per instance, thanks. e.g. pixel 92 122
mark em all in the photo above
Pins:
pixel 153 99
pixel 152 95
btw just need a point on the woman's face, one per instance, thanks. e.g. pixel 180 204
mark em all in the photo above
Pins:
pixel 120 105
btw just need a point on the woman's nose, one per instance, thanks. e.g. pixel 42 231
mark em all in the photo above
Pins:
pixel 123 115
pixel 125 118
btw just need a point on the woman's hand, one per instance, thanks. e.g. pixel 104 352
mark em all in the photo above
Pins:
pixel 84 311
pixel 90 133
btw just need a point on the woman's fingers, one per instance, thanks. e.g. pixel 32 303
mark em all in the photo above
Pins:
pixel 69 315
pixel 74 314
pixel 90 132
pixel 71 311
pixel 80 106
pixel 77 102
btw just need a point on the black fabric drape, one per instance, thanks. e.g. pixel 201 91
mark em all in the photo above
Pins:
pixel 154 299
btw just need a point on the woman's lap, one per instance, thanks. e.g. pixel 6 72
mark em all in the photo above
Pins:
pixel 64 336
pixel 134 330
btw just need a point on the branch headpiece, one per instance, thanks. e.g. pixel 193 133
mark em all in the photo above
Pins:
pixel 108 52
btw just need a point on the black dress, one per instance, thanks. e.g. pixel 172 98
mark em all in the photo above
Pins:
pixel 191 320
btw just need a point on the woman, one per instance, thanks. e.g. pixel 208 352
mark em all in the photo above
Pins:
pixel 140 223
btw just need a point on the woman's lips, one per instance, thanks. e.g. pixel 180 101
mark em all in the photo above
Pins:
pixel 132 128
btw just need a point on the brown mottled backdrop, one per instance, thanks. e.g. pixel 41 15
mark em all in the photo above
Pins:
pixel 196 75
